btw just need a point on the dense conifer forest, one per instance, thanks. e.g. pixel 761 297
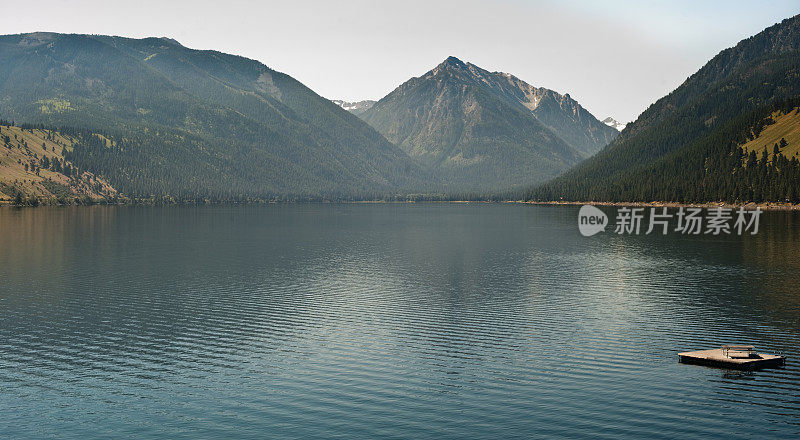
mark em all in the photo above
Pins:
pixel 686 146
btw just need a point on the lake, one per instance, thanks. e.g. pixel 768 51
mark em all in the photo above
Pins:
pixel 387 321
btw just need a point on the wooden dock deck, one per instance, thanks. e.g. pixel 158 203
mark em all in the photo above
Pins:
pixel 741 357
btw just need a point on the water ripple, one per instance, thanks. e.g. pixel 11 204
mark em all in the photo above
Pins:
pixel 430 321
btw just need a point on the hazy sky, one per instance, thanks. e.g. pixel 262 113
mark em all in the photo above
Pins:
pixel 615 58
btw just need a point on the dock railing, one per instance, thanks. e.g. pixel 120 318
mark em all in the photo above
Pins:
pixel 737 350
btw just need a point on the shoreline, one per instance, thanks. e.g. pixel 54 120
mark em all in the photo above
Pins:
pixel 770 206
pixel 749 205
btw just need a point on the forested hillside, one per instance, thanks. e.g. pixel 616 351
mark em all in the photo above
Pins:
pixel 687 146
pixel 195 124
pixel 35 168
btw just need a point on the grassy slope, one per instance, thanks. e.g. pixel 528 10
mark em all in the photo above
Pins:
pixel 26 147
pixel 786 126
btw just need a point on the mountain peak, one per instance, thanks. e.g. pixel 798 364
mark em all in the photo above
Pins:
pixel 355 108
pixel 450 65
pixel 452 61
pixel 483 130
pixel 611 122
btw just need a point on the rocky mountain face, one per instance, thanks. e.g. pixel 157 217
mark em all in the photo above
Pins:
pixel 613 123
pixel 356 108
pixel 560 113
pixel 486 130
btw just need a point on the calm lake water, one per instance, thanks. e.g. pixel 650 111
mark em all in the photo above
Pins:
pixel 387 321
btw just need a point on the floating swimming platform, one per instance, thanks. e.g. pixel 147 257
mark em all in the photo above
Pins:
pixel 740 357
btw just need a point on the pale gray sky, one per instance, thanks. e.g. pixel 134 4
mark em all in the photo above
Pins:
pixel 615 58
